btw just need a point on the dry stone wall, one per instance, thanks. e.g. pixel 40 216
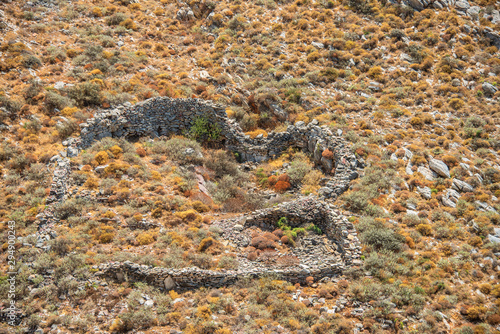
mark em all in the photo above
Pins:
pixel 165 116
pixel 301 212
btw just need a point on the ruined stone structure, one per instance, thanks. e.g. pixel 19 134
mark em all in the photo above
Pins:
pixel 301 212
pixel 164 116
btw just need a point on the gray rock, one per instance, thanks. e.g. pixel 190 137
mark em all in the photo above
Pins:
pixel 494 239
pixel 450 198
pixel 325 191
pixel 462 186
pixel 100 169
pixel 488 89
pixel 238 227
pixel 169 283
pixel 408 169
pixel 473 12
pixel 318 45
pixel 482 206
pixel 71 152
pixel 425 192
pixel 427 173
pixel 464 166
pixel 439 167
pixel 462 5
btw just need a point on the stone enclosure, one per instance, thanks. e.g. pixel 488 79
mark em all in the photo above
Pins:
pixel 300 212
pixel 164 116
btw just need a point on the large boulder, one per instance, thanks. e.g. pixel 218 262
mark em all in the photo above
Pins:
pixel 489 89
pixel 425 192
pixel 169 283
pixel 427 173
pixel 439 167
pixel 462 186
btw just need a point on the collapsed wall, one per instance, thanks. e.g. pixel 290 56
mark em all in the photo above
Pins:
pixel 165 116
pixel 193 278
pixel 301 212
pixel 311 210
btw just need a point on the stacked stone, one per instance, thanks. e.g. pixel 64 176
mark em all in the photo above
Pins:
pixel 193 278
pixel 59 185
pixel 58 190
pixel 308 210
pixel 143 224
pixel 164 116
pixel 154 117
pixel 423 4
pixel 311 210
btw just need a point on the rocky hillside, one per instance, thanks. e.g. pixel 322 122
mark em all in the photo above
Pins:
pixel 265 166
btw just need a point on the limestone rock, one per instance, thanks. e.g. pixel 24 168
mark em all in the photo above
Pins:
pixel 462 5
pixel 473 12
pixel 488 89
pixel 439 167
pixel 450 198
pixel 169 283
pixel 462 186
pixel 427 173
pixel 495 237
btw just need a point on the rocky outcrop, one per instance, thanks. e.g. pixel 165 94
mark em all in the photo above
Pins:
pixel 58 190
pixel 439 4
pixel 165 116
pixel 462 186
pixel 488 89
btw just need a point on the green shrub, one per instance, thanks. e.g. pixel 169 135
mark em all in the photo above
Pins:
pixel 282 223
pixel 362 6
pixel 380 237
pixel 141 318
pixel 116 19
pixel 228 262
pixel 205 131
pixel 55 101
pixel 225 189
pixel 314 229
pixel 86 94
pixel 298 169
pixel 357 200
pixel 222 163
pixel 31 61
pixel 70 207
pixel 179 149
pixel 12 106
pixel 66 129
